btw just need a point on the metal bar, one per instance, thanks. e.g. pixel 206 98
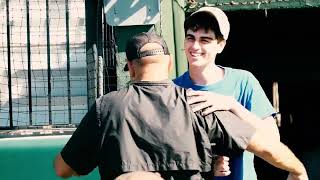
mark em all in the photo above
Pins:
pixel 276 102
pixel 105 45
pixel 68 60
pixel 48 61
pixel 100 66
pixel 29 63
pixel 91 40
pixel 9 65
pixel 181 64
pixel 109 39
pixel 104 69
pixel 100 18
pixel 114 47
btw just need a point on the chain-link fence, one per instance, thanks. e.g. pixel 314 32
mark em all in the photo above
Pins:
pixel 43 72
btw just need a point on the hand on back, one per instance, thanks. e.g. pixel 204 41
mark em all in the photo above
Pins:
pixel 209 101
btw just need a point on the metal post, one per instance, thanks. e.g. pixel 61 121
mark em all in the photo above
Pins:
pixel 9 65
pixel 100 37
pixel 91 56
pixel 48 61
pixel 68 60
pixel 29 63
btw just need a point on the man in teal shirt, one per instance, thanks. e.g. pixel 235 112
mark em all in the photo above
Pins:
pixel 206 32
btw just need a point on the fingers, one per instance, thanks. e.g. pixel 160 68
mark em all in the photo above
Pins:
pixel 191 92
pixel 209 110
pixel 201 106
pixel 224 158
pixel 217 101
pixel 196 99
pixel 222 173
pixel 221 166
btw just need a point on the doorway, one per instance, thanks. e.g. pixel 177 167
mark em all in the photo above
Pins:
pixel 281 46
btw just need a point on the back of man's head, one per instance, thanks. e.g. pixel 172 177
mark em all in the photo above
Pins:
pixel 147 57
pixel 143 45
pixel 209 18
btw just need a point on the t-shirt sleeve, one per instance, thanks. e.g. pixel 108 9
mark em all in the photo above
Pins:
pixel 256 99
pixel 82 149
pixel 228 134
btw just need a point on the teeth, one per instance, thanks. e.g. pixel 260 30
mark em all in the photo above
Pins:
pixel 195 54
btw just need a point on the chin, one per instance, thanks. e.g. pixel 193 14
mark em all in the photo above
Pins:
pixel 197 64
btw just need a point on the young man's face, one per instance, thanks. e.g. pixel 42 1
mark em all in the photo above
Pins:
pixel 201 47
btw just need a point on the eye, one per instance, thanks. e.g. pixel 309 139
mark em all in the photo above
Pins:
pixel 205 40
pixel 189 38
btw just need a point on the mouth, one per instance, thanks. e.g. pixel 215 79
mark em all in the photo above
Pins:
pixel 195 54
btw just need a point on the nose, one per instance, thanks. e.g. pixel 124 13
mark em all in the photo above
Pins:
pixel 195 45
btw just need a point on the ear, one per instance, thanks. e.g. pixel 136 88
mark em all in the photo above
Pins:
pixel 131 69
pixel 221 46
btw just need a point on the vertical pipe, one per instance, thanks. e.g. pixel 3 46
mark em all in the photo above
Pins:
pixel 48 61
pixel 178 20
pixel 68 60
pixel 29 63
pixel 91 40
pixel 276 102
pixel 9 65
pixel 100 59
pixel 100 68
pixel 105 45
pixel 106 53
pixel 100 13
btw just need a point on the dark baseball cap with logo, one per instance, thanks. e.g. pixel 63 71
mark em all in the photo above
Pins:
pixel 135 43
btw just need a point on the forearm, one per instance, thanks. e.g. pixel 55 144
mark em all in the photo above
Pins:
pixel 275 153
pixel 266 142
pixel 283 158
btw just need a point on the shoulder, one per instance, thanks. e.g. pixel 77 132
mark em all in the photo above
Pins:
pixel 239 73
pixel 246 78
pixel 112 98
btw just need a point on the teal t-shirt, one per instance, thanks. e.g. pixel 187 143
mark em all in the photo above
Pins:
pixel 246 89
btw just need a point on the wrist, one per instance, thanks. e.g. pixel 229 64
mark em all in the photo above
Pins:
pixel 302 171
pixel 233 104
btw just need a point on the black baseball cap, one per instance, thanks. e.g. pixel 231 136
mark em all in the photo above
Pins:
pixel 135 43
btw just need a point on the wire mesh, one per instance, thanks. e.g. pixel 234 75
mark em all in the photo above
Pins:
pixel 45 23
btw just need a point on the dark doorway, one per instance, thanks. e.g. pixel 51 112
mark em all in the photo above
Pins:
pixel 282 46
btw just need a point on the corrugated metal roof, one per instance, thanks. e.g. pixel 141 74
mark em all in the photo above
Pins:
pixel 252 4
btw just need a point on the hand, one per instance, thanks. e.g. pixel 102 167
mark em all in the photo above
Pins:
pixel 221 166
pixel 209 101
pixel 292 176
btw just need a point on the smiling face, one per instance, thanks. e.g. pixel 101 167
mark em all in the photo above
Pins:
pixel 201 47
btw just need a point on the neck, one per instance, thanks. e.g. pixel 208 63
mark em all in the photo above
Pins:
pixel 206 75
pixel 151 74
